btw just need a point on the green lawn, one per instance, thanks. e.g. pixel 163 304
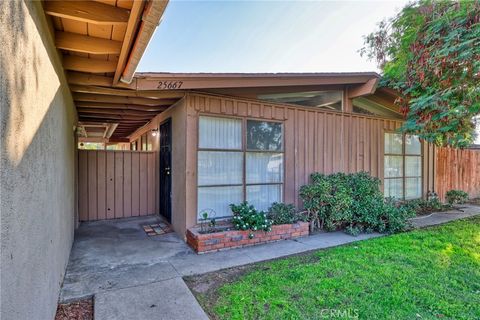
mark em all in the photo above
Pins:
pixel 425 274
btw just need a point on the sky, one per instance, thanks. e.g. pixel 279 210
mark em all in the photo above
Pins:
pixel 264 36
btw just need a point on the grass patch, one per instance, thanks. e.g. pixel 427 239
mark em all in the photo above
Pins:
pixel 431 273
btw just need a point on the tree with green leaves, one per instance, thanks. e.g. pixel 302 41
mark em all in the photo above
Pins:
pixel 430 54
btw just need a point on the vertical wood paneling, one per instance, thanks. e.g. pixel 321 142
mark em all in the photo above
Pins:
pixel 320 142
pixel 143 182
pixel 354 143
pixel 92 185
pixel 127 184
pixel 290 152
pixel 345 143
pixel 302 149
pixel 151 182
pixel 315 140
pixel 83 185
pixel 135 184
pixel 101 186
pixel 110 185
pixel 116 184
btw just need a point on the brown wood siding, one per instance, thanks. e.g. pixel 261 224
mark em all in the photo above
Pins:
pixel 315 140
pixel 457 169
pixel 116 184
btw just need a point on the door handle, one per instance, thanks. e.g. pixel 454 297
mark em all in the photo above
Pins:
pixel 167 171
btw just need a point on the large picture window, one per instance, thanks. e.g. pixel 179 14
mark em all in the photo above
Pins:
pixel 402 166
pixel 239 160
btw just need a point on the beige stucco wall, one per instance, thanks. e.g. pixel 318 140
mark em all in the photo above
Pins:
pixel 37 176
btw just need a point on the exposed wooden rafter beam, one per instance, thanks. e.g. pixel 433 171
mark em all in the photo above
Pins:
pixel 363 90
pixel 88 65
pixel 87 11
pixel 134 123
pixel 118 112
pixel 118 99
pixel 118 140
pixel 120 106
pixel 88 79
pixel 115 116
pixel 86 44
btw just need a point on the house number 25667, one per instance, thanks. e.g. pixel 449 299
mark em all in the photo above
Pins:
pixel 169 85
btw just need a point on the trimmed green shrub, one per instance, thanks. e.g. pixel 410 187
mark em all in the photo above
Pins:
pixel 246 217
pixel 281 213
pixel 456 196
pixel 352 202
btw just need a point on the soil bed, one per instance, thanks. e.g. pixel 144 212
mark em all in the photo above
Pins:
pixel 78 310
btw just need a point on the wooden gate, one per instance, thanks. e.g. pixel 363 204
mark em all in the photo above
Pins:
pixel 457 169
pixel 116 184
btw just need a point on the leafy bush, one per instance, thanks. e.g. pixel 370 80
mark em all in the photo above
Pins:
pixel 395 217
pixel 422 206
pixel 246 217
pixel 456 196
pixel 281 213
pixel 351 201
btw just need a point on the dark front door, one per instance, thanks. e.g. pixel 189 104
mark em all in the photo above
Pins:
pixel 165 169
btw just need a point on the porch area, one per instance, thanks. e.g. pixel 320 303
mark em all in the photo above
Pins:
pixel 110 255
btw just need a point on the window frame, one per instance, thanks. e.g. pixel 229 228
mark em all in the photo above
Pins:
pixel 243 149
pixel 404 155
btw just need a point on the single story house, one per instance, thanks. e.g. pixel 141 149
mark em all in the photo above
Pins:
pixel 228 138
pixel 178 145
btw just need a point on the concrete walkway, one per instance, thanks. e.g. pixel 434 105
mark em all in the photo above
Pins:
pixel 133 276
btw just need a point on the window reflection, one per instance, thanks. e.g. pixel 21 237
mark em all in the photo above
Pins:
pixel 262 135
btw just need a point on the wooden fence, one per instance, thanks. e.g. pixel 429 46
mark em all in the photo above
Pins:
pixel 116 184
pixel 457 169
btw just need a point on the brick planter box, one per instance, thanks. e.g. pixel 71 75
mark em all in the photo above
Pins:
pixel 210 242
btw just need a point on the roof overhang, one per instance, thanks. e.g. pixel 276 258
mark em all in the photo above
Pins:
pixel 200 81
pixel 105 39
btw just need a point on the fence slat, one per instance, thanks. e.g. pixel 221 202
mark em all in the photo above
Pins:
pixel 110 185
pixel 101 186
pixel 127 184
pixel 83 186
pixel 143 183
pixel 118 184
pixel 92 185
pixel 151 182
pixel 135 184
